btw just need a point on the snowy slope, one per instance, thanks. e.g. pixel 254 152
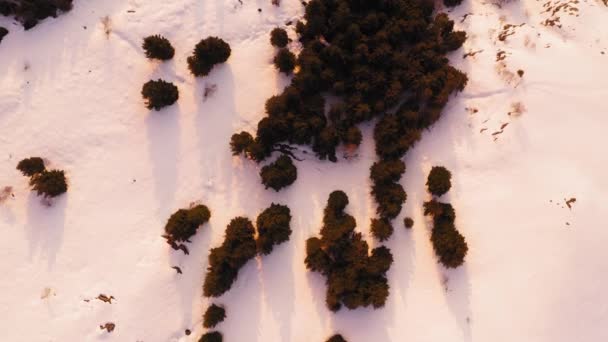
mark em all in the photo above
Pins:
pixel 70 92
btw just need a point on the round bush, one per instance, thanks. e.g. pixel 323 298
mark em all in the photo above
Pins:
pixel 279 174
pixel 213 336
pixel 449 245
pixel 408 222
pixel 285 61
pixel 439 180
pixel 213 316
pixel 49 183
pixel 240 142
pixel 31 166
pixel 207 53
pixel 278 37
pixel 158 47
pixel 338 200
pixel 336 338
pixel 387 171
pixel 273 227
pixel 381 229
pixel 184 223
pixel 159 94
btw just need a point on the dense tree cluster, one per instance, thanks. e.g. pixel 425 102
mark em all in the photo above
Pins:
pixel 46 183
pixel 207 53
pixel 387 191
pixel 449 245
pixel 30 12
pixel 354 277
pixel 239 246
pixel 158 47
pixel 439 180
pixel 159 94
pixel 214 315
pixel 279 174
pixel 184 223
pixel 336 338
pixel 278 37
pixel 381 229
pixel 374 57
pixel 273 226
pixel 285 61
pixel 213 336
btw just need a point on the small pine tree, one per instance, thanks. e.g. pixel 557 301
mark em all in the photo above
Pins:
pixel 439 181
pixel 184 223
pixel 158 47
pixel 273 227
pixel 159 94
pixel 213 316
pixel 381 229
pixel 49 183
pixel 278 37
pixel 207 53
pixel 285 61
pixel 240 143
pixel 213 336
pixel 336 338
pixel 279 174
pixel 31 166
pixel 408 222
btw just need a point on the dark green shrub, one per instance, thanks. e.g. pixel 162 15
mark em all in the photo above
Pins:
pixel 408 222
pixel 387 171
pixel 184 223
pixel 31 166
pixel 3 32
pixel 279 174
pixel 336 338
pixel 207 53
pixel 285 61
pixel 439 180
pixel 240 143
pixel 49 183
pixel 158 47
pixel 390 198
pixel 353 277
pixel 449 245
pixel 213 336
pixel 213 316
pixel 278 37
pixel 273 226
pixel 159 94
pixel 239 246
pixel 381 229
pixel 452 3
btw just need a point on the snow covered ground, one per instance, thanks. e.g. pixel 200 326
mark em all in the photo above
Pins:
pixel 70 92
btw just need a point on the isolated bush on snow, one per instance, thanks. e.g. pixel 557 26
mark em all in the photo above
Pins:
pixel 278 37
pixel 285 61
pixel 213 316
pixel 49 183
pixel 184 223
pixel 439 180
pixel 336 338
pixel 239 246
pixel 31 166
pixel 273 226
pixel 158 47
pixel 159 94
pixel 449 245
pixel 279 174
pixel 213 336
pixel 408 222
pixel 207 53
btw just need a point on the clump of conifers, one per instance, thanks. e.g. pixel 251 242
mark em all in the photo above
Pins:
pixel 46 183
pixel 383 59
pixel 207 53
pixel 449 245
pixel 354 277
pixel 240 245
pixel 279 174
pixel 214 315
pixel 184 224
pixel 284 60
pixel 30 12
pixel 158 47
pixel 159 94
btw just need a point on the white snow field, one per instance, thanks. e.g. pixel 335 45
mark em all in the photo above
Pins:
pixel 70 92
